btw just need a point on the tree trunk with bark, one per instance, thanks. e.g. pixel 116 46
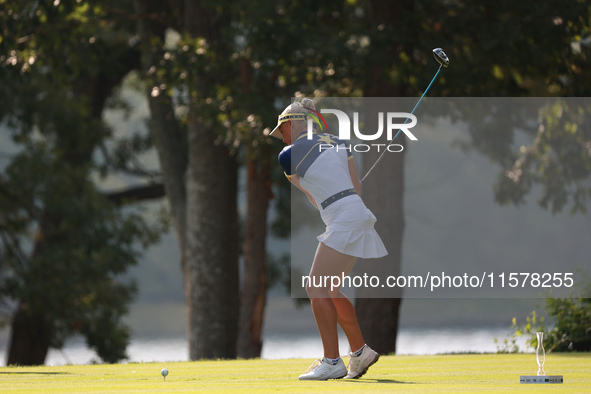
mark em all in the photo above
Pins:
pixel 383 190
pixel 169 140
pixel 212 246
pixel 30 338
pixel 378 310
pixel 254 280
pixel 200 178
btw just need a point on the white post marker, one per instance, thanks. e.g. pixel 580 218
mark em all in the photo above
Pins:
pixel 541 377
pixel 164 372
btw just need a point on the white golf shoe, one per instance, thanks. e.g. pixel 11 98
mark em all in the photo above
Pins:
pixel 358 365
pixel 322 370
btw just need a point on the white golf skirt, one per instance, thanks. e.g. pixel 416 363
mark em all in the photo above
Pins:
pixel 350 229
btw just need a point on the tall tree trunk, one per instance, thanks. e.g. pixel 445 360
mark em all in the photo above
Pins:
pixel 211 269
pixel 254 279
pixel 169 140
pixel 378 309
pixel 200 178
pixel 212 246
pixel 30 338
pixel 383 192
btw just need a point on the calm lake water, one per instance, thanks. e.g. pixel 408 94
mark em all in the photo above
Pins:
pixel 410 341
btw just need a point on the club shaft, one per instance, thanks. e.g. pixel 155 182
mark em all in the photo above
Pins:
pixel 407 119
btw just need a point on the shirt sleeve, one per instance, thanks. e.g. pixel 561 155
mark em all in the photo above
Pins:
pixel 349 151
pixel 347 146
pixel 285 161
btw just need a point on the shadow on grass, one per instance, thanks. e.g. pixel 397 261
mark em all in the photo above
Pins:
pixel 33 373
pixel 376 381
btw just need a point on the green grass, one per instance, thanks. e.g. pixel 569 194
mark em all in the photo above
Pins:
pixel 478 373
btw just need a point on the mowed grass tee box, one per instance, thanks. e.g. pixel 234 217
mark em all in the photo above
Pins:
pixel 461 373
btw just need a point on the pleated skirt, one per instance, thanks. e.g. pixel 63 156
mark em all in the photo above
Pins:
pixel 350 229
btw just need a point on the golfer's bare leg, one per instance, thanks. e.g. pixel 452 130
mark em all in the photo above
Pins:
pixel 326 320
pixel 347 319
pixel 330 305
pixel 346 315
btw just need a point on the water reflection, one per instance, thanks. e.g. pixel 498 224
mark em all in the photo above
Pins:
pixel 410 341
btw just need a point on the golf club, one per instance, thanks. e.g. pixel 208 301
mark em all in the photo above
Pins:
pixel 443 60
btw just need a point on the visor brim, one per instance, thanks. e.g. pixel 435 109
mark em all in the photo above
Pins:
pixel 277 132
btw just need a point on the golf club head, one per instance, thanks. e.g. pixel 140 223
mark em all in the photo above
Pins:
pixel 441 57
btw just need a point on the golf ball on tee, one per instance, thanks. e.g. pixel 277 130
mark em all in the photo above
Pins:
pixel 164 372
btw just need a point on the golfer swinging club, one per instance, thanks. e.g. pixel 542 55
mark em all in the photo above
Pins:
pixel 329 178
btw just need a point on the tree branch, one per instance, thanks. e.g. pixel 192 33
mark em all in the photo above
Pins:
pixel 138 193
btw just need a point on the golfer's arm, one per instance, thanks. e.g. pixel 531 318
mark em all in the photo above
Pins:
pixel 296 181
pixel 354 176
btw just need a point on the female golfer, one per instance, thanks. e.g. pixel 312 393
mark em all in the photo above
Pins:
pixel 325 171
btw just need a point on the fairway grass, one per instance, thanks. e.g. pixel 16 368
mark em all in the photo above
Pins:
pixel 474 373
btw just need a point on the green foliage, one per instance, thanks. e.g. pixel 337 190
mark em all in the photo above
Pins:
pixel 44 45
pixel 529 328
pixel 509 344
pixel 558 159
pixel 55 55
pixel 522 49
pixel 64 247
pixel 572 327
pixel 570 331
